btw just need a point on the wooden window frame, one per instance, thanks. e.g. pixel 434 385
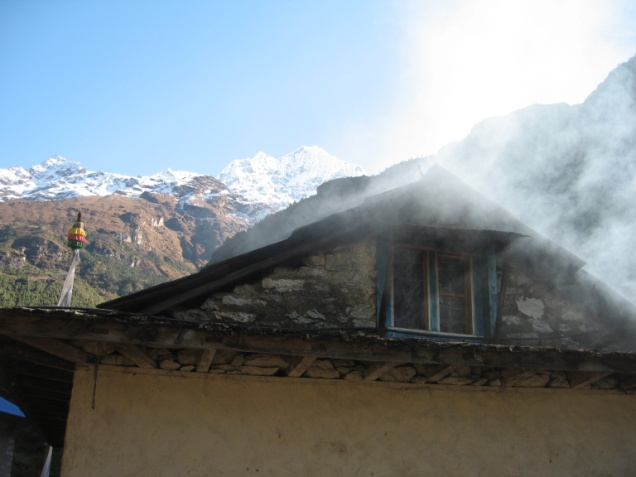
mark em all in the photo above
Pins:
pixel 480 286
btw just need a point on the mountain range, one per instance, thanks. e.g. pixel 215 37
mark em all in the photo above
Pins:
pixel 141 230
pixel 565 170
pixel 273 183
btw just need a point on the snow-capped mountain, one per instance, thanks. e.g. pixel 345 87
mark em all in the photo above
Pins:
pixel 59 178
pixel 263 180
pixel 281 181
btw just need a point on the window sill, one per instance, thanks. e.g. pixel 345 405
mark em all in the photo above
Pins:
pixel 393 332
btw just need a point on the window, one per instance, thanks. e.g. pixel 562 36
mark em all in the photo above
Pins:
pixel 436 292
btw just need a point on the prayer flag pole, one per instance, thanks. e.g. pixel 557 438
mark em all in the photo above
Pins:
pixel 76 240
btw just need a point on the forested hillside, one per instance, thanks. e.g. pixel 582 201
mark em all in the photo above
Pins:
pixel 133 243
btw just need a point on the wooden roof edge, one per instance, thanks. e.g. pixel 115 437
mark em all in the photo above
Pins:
pixel 93 315
pixel 135 301
pixel 155 301
pixel 362 344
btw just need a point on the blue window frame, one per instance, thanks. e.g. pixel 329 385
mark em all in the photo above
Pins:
pixel 437 293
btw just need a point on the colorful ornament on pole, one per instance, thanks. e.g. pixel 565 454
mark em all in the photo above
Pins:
pixel 76 234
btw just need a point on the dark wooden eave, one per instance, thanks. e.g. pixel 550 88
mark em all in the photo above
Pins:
pixel 162 298
pixel 40 348
pixel 40 382
pixel 50 330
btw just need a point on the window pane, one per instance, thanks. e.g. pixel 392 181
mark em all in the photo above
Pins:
pixel 408 288
pixel 452 312
pixel 453 294
pixel 450 272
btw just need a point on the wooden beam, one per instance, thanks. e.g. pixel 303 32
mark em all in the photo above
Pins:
pixel 200 284
pixel 510 377
pixel 21 352
pixel 440 374
pixel 46 373
pixel 52 388
pixel 299 365
pixel 96 348
pixel 26 324
pixel 57 348
pixel 376 370
pixel 205 360
pixel 137 356
pixel 582 380
pixel 46 406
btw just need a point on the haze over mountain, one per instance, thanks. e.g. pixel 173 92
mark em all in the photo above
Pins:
pixel 566 171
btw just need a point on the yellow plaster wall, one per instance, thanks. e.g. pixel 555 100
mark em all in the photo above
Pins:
pixel 153 424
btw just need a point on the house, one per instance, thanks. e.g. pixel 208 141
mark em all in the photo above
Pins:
pixel 424 331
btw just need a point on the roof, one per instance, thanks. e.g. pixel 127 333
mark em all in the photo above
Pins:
pixel 41 347
pixel 437 205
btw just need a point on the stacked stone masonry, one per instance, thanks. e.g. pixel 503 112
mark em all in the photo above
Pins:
pixel 533 314
pixel 330 290
pixel 337 290
pixel 255 364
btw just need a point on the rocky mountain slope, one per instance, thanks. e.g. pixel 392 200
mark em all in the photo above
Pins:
pixel 133 243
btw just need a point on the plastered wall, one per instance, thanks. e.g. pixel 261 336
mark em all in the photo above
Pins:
pixel 154 424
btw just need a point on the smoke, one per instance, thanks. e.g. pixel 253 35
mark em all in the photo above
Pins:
pixel 465 60
pixel 568 172
pixel 567 168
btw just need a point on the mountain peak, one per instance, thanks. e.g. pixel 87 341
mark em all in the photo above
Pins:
pixel 57 165
pixel 287 179
pixel 309 149
pixel 54 160
pixel 616 96
pixel 176 175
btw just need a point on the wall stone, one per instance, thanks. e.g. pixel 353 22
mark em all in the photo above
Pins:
pixel 335 289
pixel 261 364
pixel 535 315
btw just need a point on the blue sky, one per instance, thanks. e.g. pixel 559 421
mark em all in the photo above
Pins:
pixel 139 86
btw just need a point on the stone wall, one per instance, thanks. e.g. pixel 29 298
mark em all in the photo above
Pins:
pixel 234 363
pixel 535 314
pixel 335 289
